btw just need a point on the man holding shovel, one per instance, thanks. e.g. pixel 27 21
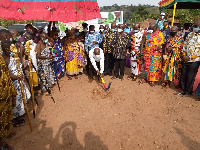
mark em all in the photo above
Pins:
pixel 96 56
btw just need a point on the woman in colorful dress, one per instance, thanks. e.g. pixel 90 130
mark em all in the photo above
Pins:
pixel 58 52
pixel 172 65
pixel 73 54
pixel 152 43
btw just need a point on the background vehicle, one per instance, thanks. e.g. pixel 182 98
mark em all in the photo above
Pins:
pixel 1 27
pixel 40 25
pixel 19 27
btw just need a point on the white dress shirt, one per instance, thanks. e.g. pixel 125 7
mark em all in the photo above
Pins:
pixel 97 58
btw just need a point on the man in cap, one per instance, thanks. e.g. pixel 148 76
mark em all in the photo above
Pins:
pixel 160 21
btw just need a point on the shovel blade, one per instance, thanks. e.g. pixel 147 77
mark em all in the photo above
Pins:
pixel 108 86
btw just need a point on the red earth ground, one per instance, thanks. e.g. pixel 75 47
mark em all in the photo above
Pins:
pixel 127 117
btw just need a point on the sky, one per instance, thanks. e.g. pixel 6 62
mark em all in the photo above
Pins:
pixel 126 2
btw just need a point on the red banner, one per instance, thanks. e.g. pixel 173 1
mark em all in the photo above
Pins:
pixel 49 10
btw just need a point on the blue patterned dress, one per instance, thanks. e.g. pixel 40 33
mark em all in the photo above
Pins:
pixel 59 63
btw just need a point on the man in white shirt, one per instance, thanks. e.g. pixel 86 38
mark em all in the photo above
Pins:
pixel 96 56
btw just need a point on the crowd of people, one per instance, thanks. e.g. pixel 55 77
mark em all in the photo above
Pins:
pixel 161 52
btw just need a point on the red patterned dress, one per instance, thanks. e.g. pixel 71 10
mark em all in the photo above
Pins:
pixel 152 57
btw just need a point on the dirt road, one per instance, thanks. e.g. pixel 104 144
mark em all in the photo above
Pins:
pixel 127 117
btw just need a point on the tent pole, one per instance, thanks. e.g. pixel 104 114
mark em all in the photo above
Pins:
pixel 174 14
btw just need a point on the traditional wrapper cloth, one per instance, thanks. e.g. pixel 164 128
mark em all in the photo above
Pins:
pixel 72 52
pixel 173 62
pixel 19 109
pixel 45 65
pixel 81 58
pixel 136 65
pixel 152 57
pixel 59 63
pixel 7 100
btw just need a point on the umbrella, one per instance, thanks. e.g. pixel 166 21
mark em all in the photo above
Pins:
pixel 181 4
pixel 178 4
pixel 49 10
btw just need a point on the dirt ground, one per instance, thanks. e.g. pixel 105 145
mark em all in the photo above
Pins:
pixel 127 117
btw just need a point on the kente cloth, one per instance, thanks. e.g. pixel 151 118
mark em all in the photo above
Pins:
pixel 136 65
pixel 173 62
pixel 152 57
pixel 72 54
pixel 49 10
pixel 45 70
pixel 58 63
pixel 19 109
pixel 7 100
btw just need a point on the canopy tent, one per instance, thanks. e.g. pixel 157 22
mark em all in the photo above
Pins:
pixel 181 4
pixel 49 10
pixel 178 4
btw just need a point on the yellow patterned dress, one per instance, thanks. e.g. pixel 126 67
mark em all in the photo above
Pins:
pixel 72 52
pixel 152 57
pixel 173 63
pixel 7 100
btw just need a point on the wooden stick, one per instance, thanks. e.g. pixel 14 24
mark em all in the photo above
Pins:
pixel 28 48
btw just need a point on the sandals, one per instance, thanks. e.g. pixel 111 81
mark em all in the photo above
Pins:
pixel 134 79
pixel 114 78
pixel 129 77
pixel 18 122
pixel 141 81
pixel 75 77
pixel 69 78
pixel 121 78
pixel 152 84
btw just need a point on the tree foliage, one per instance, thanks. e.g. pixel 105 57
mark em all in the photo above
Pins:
pixel 142 12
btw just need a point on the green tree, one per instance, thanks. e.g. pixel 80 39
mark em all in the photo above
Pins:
pixel 110 16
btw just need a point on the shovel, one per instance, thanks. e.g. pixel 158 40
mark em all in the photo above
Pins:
pixel 104 84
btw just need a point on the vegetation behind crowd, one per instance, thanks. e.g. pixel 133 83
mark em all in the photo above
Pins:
pixel 135 14
pixel 142 12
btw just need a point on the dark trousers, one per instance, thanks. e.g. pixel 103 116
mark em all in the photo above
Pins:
pixel 88 65
pixel 109 63
pixel 92 71
pixel 188 74
pixel 120 66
